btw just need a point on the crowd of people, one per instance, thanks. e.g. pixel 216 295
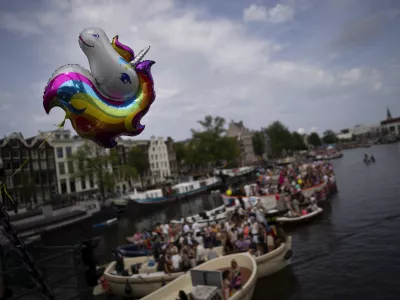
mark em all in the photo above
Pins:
pixel 286 184
pixel 180 247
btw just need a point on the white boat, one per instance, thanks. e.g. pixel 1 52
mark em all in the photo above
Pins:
pixel 185 282
pixel 267 264
pixel 217 214
pixel 147 281
pixel 301 218
pixel 275 260
pixel 269 202
pixel 235 172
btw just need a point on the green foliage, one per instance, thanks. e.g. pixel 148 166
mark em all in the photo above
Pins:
pixel 259 143
pixel 329 137
pixel 94 162
pixel 137 164
pixel 314 139
pixel 208 145
pixel 280 138
pixel 298 142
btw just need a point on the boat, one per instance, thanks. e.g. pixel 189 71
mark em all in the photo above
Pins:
pixel 120 204
pixel 269 202
pixel 301 218
pixel 146 281
pixel 218 214
pixel 234 172
pixel 179 191
pixel 275 260
pixel 51 219
pixel 210 274
pixel 106 223
pixel 133 250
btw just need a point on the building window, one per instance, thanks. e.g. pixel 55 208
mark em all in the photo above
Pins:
pixel 68 151
pixel 71 167
pixel 156 156
pixel 91 182
pixel 61 168
pixel 60 153
pixel 83 183
pixel 72 186
pixel 6 153
pixel 63 184
pixel 15 153
pixel 157 165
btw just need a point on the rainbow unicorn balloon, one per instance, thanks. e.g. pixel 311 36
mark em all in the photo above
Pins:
pixel 110 100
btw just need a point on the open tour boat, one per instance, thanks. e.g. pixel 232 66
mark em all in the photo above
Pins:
pixel 145 282
pixel 269 202
pixel 308 216
pixel 207 279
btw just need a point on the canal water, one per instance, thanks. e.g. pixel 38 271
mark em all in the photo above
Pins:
pixel 352 251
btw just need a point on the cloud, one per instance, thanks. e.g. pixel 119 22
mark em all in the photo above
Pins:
pixel 278 14
pixel 301 131
pixel 206 63
pixel 4 107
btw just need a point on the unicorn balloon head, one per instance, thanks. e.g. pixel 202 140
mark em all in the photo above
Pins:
pixel 115 76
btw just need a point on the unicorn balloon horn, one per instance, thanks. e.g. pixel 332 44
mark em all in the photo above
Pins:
pixel 139 57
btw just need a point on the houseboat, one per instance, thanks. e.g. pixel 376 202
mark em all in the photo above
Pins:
pixel 179 191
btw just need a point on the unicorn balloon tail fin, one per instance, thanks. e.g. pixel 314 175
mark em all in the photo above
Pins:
pixel 139 57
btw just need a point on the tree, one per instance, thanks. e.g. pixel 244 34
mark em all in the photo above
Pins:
pixel 314 139
pixel 181 154
pixel 280 138
pixel 137 163
pixel 329 137
pixel 96 163
pixel 229 149
pixel 208 146
pixel 259 143
pixel 298 142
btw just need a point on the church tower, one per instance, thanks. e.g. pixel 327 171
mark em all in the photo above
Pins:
pixel 388 114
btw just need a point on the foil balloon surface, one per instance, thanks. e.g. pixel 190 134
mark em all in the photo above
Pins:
pixel 109 100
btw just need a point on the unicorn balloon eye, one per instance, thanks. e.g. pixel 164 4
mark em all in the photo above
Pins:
pixel 109 100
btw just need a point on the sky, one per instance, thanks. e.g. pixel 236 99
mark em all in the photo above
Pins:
pixel 312 64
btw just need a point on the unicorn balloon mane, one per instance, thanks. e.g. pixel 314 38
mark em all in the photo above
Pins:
pixel 109 100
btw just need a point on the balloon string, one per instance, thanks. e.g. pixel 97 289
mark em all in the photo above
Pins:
pixel 3 188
